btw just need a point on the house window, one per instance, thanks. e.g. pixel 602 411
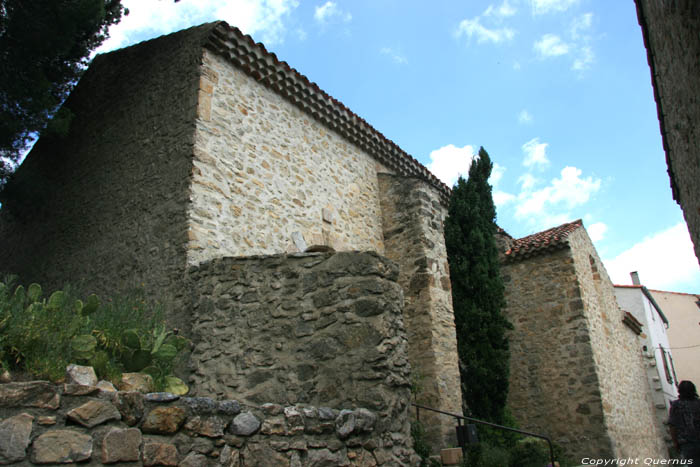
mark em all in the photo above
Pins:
pixel 664 357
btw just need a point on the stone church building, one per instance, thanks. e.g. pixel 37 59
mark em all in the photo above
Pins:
pixel 303 252
pixel 201 168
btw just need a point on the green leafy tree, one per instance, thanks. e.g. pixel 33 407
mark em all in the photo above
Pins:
pixel 45 45
pixel 478 293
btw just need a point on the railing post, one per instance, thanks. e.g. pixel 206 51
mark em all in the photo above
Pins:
pixel 460 418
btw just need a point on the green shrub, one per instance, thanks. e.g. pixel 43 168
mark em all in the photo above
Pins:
pixel 420 444
pixel 534 452
pixel 41 336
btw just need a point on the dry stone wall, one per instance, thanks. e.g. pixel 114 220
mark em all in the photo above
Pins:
pixel 268 178
pixel 46 424
pixel 414 238
pixel 671 36
pixel 318 329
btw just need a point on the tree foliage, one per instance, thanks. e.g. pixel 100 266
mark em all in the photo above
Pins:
pixel 478 293
pixel 44 47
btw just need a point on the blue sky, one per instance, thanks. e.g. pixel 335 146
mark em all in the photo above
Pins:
pixel 557 91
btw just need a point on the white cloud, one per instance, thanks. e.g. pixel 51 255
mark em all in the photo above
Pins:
pixel 665 260
pixel 541 7
pixel 528 181
pixel 597 231
pixel 584 59
pixel 152 18
pixel 473 27
pixel 449 162
pixel 505 10
pixel 524 117
pixel 562 193
pixel 497 172
pixel 550 45
pixel 580 24
pixel 501 198
pixel 535 153
pixel 329 11
pixel 516 66
pixel 396 57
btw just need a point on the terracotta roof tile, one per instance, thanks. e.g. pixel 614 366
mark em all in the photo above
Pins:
pixel 257 62
pixel 553 238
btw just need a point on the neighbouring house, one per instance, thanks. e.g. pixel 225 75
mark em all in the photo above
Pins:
pixel 636 300
pixel 671 31
pixel 683 313
pixel 202 168
pixel 578 372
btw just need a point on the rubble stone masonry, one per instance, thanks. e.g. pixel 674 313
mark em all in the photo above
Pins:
pixel 414 237
pixel 577 373
pixel 628 408
pixel 178 160
pixel 266 175
pixel 47 424
pixel 106 207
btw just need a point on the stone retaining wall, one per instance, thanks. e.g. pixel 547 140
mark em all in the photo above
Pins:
pixel 46 424
pixel 314 329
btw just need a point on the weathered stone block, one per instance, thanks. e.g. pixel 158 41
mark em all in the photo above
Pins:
pixel 121 445
pixel 130 406
pixel 83 375
pixel 244 424
pixel 14 438
pixel 61 447
pixel 163 420
pixel 38 394
pixel 211 427
pixel 155 453
pixel 93 413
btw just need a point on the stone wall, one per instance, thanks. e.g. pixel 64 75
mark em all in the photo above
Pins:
pixel 106 207
pixel 628 408
pixel 318 329
pixel 269 178
pixel 670 30
pixel 553 380
pixel 577 373
pixel 414 238
pixel 42 423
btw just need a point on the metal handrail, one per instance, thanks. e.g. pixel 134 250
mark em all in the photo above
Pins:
pixel 482 422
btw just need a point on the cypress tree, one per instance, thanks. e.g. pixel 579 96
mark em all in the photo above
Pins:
pixel 478 293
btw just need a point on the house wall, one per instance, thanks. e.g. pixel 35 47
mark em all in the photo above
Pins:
pixel 106 207
pixel 577 373
pixel 265 174
pixel 654 337
pixel 683 332
pixel 671 37
pixel 554 385
pixel 628 407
